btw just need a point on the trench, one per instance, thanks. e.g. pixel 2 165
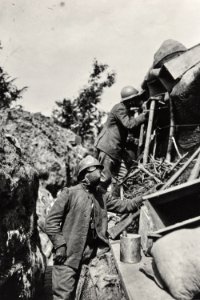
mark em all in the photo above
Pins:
pixel 98 280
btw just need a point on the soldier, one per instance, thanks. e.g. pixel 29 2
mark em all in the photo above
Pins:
pixel 112 139
pixel 77 226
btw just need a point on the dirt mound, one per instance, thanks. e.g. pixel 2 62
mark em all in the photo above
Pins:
pixel 21 261
pixel 44 144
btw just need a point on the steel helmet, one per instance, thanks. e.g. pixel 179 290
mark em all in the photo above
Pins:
pixel 129 92
pixel 167 48
pixel 88 162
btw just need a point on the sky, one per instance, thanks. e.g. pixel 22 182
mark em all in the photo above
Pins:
pixel 50 45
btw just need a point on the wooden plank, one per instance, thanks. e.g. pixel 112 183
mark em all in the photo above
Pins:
pixel 191 223
pixel 179 65
pixel 122 225
pixel 149 131
pixel 176 192
pixel 136 284
pixel 141 167
pixel 181 170
pixel 196 169
pixel 157 221
pixel 141 140
pixel 145 225
pixel 177 163
pixel 171 131
pixel 188 83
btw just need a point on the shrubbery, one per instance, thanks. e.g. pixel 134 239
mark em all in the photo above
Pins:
pixel 81 114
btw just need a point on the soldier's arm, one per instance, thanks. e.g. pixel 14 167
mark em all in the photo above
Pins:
pixel 122 206
pixel 55 219
pixel 129 121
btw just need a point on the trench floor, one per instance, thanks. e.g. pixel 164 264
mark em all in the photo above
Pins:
pixel 137 285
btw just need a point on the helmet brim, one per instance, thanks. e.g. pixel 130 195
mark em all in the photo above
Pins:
pixel 93 168
pixel 135 97
pixel 86 170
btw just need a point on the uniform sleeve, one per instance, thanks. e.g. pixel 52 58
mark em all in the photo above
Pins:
pixel 55 219
pixel 122 206
pixel 127 121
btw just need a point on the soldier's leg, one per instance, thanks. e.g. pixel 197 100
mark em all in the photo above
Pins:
pixel 106 175
pixel 110 168
pixel 64 281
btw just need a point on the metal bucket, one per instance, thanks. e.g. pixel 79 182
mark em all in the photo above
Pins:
pixel 130 248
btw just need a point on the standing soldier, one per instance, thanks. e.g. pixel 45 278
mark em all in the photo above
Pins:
pixel 112 139
pixel 77 226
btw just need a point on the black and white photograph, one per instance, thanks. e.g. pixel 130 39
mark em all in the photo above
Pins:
pixel 99 149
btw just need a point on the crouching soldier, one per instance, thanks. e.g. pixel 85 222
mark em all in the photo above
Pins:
pixel 77 226
pixel 112 139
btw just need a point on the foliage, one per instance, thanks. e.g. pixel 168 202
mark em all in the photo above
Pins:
pixel 81 114
pixel 8 91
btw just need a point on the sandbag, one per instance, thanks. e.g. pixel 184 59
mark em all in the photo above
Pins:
pixel 177 259
pixel 186 85
pixel 186 95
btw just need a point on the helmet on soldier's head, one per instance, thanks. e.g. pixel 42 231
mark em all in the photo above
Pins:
pixel 168 48
pixel 129 92
pixel 87 164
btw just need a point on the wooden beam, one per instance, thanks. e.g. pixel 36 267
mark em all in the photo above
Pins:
pixel 175 192
pixel 193 222
pixel 122 225
pixel 141 140
pixel 181 170
pixel 177 162
pixel 171 131
pixel 137 286
pixel 149 131
pixel 141 167
pixel 195 171
pixel 179 65
pixel 187 83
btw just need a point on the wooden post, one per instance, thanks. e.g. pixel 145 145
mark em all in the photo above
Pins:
pixel 171 131
pixel 177 162
pixel 154 145
pixel 195 171
pixel 176 147
pixel 180 171
pixel 124 232
pixel 141 140
pixel 149 130
pixel 141 167
pixel 121 192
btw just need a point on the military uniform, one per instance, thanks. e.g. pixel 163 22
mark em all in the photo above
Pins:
pixel 78 220
pixel 112 139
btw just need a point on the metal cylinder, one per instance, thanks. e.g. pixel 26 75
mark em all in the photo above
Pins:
pixel 130 248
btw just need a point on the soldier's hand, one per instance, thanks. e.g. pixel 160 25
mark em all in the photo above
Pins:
pixel 146 114
pixel 60 255
pixel 138 201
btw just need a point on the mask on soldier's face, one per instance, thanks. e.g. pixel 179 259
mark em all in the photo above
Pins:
pixel 93 178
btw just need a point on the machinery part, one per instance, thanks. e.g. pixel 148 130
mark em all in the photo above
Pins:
pixel 168 48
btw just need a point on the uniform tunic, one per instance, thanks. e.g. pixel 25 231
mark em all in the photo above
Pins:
pixel 69 219
pixel 112 138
